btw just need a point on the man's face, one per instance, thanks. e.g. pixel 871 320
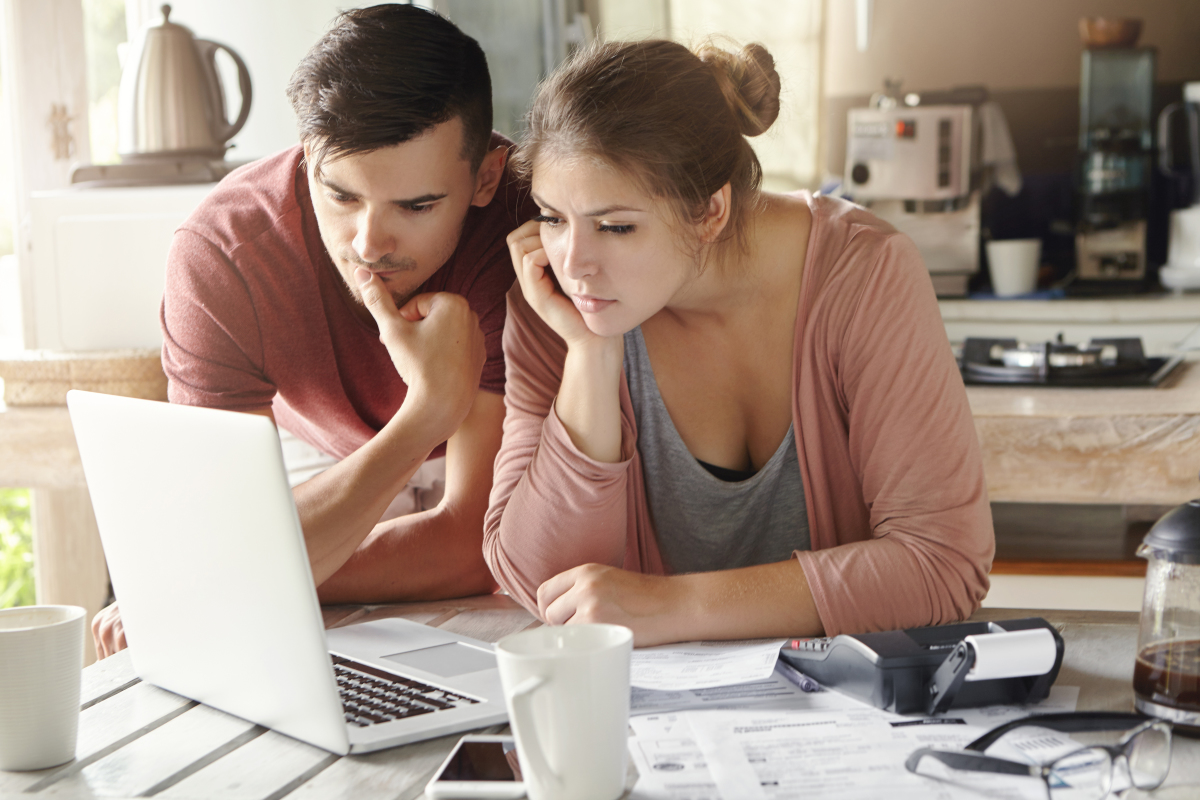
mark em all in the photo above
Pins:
pixel 397 211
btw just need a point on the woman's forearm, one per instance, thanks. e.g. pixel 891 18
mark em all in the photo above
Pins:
pixel 763 601
pixel 589 400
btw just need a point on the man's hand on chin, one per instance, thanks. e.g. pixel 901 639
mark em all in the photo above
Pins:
pixel 437 348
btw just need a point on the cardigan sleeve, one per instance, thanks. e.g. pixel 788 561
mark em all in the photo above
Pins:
pixel 552 508
pixel 912 459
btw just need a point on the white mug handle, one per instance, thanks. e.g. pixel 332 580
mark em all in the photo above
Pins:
pixel 522 709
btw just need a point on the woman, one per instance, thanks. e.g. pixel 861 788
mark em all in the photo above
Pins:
pixel 730 413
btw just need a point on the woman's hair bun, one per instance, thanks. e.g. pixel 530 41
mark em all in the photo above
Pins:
pixel 749 82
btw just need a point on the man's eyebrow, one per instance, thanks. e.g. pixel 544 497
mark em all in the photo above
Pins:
pixel 406 203
pixel 600 212
pixel 419 201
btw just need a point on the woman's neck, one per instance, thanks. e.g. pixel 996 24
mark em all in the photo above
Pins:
pixel 735 282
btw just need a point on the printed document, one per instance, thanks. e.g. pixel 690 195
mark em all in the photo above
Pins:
pixel 703 665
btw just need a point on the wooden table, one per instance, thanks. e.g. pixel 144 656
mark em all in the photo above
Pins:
pixel 136 740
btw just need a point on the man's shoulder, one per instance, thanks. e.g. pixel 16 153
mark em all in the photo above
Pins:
pixel 253 199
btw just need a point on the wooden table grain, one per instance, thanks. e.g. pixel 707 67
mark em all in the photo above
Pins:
pixel 136 740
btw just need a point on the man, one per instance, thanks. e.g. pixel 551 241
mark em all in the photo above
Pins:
pixel 353 289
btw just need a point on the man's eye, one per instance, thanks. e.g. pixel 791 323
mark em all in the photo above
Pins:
pixel 421 209
pixel 617 229
pixel 546 219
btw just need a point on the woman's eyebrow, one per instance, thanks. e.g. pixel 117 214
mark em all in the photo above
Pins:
pixel 597 213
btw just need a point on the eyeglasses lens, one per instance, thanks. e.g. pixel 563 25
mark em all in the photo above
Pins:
pixel 1082 775
pixel 1149 756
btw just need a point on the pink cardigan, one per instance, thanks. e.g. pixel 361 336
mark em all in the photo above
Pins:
pixel 898 512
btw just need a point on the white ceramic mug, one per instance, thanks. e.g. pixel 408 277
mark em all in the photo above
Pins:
pixel 1013 265
pixel 567 692
pixel 41 660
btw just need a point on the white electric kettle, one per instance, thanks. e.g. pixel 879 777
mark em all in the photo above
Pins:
pixel 170 104
pixel 1182 270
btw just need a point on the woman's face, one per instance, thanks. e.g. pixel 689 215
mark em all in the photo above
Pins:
pixel 615 251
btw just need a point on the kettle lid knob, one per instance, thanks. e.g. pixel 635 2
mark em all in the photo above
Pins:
pixel 166 12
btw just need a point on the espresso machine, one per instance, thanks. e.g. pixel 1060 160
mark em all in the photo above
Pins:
pixel 1116 146
pixel 912 162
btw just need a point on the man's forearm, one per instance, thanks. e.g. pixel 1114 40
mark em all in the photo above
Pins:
pixel 340 507
pixel 428 555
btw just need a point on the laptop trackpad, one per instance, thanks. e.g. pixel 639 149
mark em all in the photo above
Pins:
pixel 446 660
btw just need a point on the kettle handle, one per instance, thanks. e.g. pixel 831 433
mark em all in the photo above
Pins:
pixel 223 130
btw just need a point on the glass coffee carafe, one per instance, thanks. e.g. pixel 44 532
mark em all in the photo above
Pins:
pixel 1166 676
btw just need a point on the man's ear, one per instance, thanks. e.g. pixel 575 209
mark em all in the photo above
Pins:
pixel 716 215
pixel 487 178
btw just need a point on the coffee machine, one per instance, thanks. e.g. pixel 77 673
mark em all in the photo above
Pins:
pixel 1116 145
pixel 913 165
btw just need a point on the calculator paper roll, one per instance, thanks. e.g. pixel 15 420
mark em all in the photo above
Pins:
pixel 1012 654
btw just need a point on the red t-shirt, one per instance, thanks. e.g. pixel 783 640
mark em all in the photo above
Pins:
pixel 252 314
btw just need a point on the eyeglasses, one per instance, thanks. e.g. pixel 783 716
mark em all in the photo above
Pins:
pixel 1088 772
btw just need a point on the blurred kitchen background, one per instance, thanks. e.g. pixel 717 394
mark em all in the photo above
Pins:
pixel 966 123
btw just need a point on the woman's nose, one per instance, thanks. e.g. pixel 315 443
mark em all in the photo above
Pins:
pixel 577 261
pixel 372 241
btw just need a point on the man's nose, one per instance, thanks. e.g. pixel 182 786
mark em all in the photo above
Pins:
pixel 372 240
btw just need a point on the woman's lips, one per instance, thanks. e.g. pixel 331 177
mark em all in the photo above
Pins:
pixel 590 305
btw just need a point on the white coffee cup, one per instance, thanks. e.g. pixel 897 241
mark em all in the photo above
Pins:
pixel 41 660
pixel 567 692
pixel 1013 265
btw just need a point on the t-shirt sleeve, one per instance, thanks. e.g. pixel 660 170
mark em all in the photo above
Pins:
pixel 487 297
pixel 212 345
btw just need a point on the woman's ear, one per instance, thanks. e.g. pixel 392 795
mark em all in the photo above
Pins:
pixel 716 215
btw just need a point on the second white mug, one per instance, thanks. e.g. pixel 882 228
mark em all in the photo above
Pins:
pixel 41 659
pixel 567 692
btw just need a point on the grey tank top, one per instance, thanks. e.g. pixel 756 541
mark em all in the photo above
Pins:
pixel 702 522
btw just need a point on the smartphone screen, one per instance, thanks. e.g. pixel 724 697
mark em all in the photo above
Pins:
pixel 483 761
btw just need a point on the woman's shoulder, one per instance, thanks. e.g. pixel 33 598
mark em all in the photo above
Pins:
pixel 847 243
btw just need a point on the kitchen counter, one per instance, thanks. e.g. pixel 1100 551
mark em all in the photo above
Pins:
pixel 1128 446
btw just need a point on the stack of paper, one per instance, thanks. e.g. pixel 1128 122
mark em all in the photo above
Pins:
pixel 719 720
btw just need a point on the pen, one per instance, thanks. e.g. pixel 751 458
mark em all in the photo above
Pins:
pixel 801 680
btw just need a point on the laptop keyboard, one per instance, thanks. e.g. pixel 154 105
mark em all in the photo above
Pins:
pixel 371 695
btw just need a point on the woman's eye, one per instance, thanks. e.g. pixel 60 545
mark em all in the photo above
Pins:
pixel 546 219
pixel 340 198
pixel 617 229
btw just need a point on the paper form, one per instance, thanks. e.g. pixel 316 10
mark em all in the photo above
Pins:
pixel 703 665
pixel 776 691
pixel 821 745
pixel 778 755
pixel 669 762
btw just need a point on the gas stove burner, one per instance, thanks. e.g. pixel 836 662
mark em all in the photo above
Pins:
pixel 1100 362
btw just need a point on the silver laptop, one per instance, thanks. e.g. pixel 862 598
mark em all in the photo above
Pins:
pixel 208 563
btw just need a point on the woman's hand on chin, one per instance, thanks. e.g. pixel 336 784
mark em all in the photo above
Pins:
pixel 541 291
pixel 652 606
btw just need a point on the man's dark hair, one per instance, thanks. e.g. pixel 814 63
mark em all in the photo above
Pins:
pixel 386 74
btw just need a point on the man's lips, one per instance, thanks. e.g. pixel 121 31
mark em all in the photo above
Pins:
pixel 590 305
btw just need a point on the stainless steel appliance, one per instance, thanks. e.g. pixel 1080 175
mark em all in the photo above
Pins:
pixel 1098 362
pixel 171 103
pixel 1113 180
pixel 912 165
pixel 171 117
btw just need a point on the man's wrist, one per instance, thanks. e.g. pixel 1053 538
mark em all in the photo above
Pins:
pixel 425 419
